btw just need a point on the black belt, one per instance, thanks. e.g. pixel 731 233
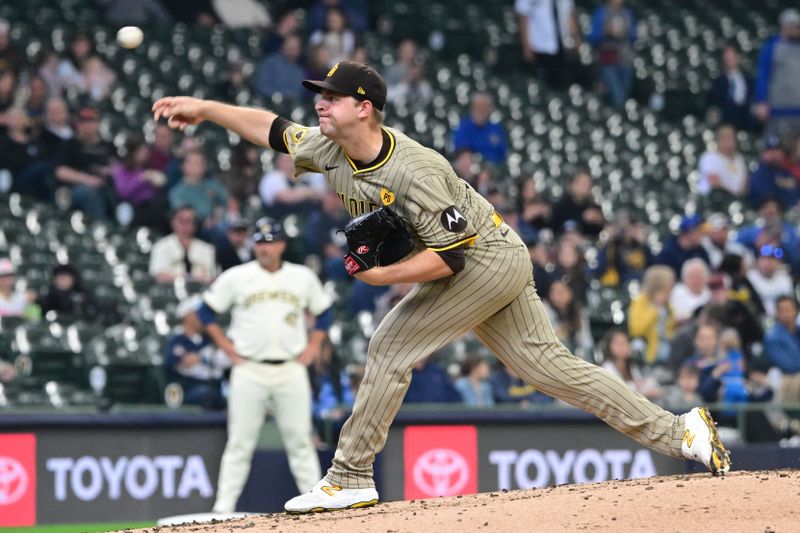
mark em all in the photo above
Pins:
pixel 267 361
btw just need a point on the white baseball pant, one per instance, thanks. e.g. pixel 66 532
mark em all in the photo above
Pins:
pixel 285 391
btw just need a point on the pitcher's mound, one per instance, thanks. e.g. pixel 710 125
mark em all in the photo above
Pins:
pixel 741 501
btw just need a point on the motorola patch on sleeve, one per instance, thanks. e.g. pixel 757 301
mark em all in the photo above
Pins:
pixel 452 220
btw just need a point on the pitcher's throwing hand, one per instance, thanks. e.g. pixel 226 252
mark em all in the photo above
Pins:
pixel 180 111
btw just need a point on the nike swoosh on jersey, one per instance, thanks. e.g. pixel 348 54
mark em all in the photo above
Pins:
pixel 331 167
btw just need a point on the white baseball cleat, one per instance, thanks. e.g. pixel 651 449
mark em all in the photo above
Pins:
pixel 701 442
pixel 326 496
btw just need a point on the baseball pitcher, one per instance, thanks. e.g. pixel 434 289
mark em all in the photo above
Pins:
pixel 472 273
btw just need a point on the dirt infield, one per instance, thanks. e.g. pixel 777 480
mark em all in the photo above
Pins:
pixel 763 501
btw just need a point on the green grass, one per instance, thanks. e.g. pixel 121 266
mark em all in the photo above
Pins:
pixel 77 528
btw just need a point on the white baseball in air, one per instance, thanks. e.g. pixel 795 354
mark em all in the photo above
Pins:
pixel 130 36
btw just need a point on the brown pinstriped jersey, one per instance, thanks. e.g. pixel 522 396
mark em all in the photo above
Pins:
pixel 440 208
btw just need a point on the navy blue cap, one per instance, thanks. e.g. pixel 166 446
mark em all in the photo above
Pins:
pixel 689 223
pixel 772 141
pixel 570 225
pixel 268 230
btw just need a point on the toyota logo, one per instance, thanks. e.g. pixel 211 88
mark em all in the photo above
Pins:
pixel 13 480
pixel 441 472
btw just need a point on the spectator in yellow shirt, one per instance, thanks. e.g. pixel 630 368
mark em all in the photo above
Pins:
pixel 650 316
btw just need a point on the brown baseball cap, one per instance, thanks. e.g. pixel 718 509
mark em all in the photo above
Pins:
pixel 358 80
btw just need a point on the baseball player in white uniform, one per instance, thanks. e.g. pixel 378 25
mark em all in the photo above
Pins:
pixel 269 347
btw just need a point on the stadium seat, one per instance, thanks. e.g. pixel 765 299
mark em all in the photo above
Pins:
pixel 134 383
pixel 641 159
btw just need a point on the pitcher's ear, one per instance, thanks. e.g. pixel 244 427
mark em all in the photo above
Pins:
pixel 365 108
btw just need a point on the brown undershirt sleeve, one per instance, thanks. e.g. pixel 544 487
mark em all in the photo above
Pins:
pixel 454 258
pixel 276 141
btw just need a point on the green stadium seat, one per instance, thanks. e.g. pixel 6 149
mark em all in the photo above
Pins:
pixel 61 366
pixel 134 383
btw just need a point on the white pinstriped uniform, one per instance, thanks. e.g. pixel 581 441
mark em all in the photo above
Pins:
pixel 267 323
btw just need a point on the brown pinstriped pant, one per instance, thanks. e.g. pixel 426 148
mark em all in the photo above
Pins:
pixel 495 296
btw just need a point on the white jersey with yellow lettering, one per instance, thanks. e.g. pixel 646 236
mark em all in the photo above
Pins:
pixel 268 308
pixel 268 328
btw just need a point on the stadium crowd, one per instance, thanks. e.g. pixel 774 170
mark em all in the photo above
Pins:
pixel 712 313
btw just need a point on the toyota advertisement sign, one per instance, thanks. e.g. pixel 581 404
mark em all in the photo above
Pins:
pixel 426 461
pixel 17 480
pixel 520 457
pixel 440 461
pixel 534 468
pixel 74 475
